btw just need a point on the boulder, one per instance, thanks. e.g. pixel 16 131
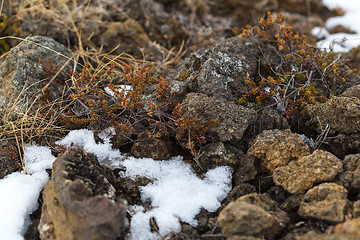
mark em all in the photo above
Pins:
pixel 79 201
pixel 275 148
pixel 325 202
pixel 300 175
pixel 25 71
pixel 9 159
pixel 232 119
pixel 221 71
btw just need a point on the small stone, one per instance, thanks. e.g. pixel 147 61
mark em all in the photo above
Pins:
pixel 350 178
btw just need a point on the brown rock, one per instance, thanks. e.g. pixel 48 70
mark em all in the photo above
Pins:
pixel 275 148
pixel 356 209
pixel 350 227
pixel 269 205
pixel 328 236
pixel 9 159
pixel 299 176
pixel 246 170
pixel 79 202
pixel 244 219
pixel 342 114
pixel 155 148
pixel 350 178
pixel 232 119
pixel 325 202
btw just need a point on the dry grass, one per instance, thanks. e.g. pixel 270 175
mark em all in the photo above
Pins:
pixel 29 122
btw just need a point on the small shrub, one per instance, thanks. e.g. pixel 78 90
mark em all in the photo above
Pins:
pixel 305 74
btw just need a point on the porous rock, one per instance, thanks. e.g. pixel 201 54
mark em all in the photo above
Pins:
pixel 9 159
pixel 269 205
pixel 350 227
pixel 342 114
pixel 221 71
pixel 155 148
pixel 232 119
pixel 353 91
pixel 325 202
pixel 22 71
pixel 328 236
pixel 244 219
pixel 350 178
pixel 300 175
pixel 79 202
pixel 246 169
pixel 275 148
pixel 219 154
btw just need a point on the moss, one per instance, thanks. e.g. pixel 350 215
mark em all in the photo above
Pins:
pixel 183 76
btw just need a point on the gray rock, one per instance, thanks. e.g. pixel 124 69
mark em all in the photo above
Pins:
pixel 246 169
pixel 325 202
pixel 300 175
pixel 232 119
pixel 275 148
pixel 221 71
pixel 79 202
pixel 23 76
pixel 219 154
pixel 353 91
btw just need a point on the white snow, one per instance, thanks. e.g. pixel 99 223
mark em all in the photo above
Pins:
pixel 20 192
pixel 175 194
pixel 341 42
pixel 119 88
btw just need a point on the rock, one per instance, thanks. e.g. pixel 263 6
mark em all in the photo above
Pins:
pixel 328 236
pixel 275 148
pixel 232 119
pixel 353 91
pixel 219 154
pixel 350 178
pixel 269 205
pixel 349 227
pixel 325 202
pixel 221 71
pixel 23 75
pixel 356 209
pixel 245 219
pixel 246 169
pixel 238 191
pixel 300 175
pixel 79 201
pixel 342 144
pixel 9 159
pixel 342 114
pixel 155 148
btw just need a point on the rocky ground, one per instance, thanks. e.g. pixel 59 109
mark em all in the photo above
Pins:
pixel 293 178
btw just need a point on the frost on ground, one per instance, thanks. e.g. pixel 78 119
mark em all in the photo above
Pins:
pixel 340 42
pixel 176 193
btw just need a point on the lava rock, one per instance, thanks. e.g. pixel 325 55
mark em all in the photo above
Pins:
pixel 275 148
pixel 241 219
pixel 350 178
pixel 325 202
pixel 79 201
pixel 300 175
pixel 232 119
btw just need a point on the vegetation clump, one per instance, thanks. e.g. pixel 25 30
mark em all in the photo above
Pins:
pixel 301 73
